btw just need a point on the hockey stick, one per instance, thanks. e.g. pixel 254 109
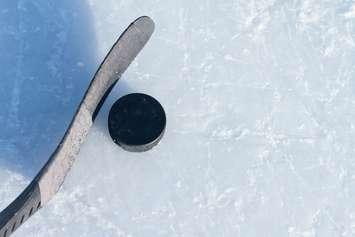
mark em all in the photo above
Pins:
pixel 50 178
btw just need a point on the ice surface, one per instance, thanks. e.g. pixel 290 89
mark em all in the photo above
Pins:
pixel 260 103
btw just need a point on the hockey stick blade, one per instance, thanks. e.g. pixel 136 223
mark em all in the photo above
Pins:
pixel 50 178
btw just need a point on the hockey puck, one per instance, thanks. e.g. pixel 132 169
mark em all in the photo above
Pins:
pixel 136 122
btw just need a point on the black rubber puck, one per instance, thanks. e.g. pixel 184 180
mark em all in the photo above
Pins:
pixel 136 122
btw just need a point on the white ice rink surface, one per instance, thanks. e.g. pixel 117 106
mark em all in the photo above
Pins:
pixel 260 102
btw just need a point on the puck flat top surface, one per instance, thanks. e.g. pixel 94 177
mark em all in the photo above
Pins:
pixel 136 122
